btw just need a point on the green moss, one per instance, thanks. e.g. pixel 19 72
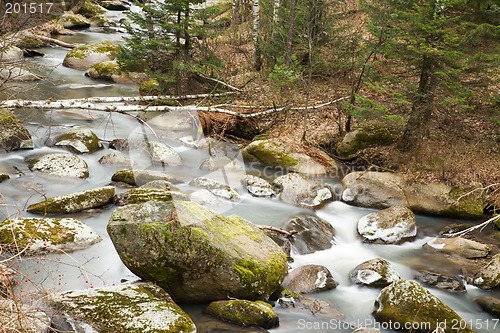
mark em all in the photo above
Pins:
pixel 87 137
pixel 90 8
pixel 106 69
pixel 371 134
pixel 106 47
pixel 272 154
pixel 146 194
pixel 470 205
pixel 150 87
pixel 244 313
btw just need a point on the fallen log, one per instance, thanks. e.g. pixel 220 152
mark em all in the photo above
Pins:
pixel 55 41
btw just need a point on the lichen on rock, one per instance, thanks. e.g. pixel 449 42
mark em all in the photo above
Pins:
pixel 244 313
pixel 13 134
pixel 79 140
pixel 59 164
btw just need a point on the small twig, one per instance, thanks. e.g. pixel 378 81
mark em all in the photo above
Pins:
pixel 287 234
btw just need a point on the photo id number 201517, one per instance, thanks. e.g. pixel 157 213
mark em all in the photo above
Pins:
pixel 27 8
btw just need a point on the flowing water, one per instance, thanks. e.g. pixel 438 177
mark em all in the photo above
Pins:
pixel 100 265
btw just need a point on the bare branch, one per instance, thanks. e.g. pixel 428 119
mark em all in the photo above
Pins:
pixel 479 226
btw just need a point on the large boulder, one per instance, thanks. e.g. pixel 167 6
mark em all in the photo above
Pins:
pixel 75 202
pixel 311 234
pixel 301 191
pixel 13 134
pixel 131 308
pixel 184 248
pixel 79 140
pixel 59 164
pixel 389 226
pixel 459 246
pixel 91 8
pixel 109 71
pixel 276 154
pixel 85 56
pixel 405 302
pixel 39 235
pixel 488 276
pixel 16 317
pixel 309 279
pixel 244 313
pixel 374 189
pixel 376 272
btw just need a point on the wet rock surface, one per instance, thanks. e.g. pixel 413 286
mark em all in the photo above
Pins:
pixel 312 234
pixel 59 164
pixel 389 226
pixel 301 191
pixel 376 272
pixel 441 281
pixel 309 279
pixel 245 313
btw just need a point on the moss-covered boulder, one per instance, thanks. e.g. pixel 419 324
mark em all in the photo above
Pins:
pixel 195 254
pixel 17 317
pixel 39 235
pixel 91 8
pixel 309 279
pixel 458 246
pixel 117 5
pixel 245 313
pixel 83 57
pixel 137 177
pixel 13 134
pixel 373 189
pixel 59 164
pixel 79 140
pixel 158 190
pixel 276 154
pixel 488 276
pixel 75 202
pixel 162 154
pixel 216 188
pixel 108 71
pixel 257 186
pixel 376 272
pixel 302 191
pixel 389 226
pixel 70 20
pixel 311 233
pixel 132 308
pixel 407 303
pixel 489 304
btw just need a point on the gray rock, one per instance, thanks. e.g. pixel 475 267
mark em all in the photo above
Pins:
pixel 205 197
pixel 184 248
pixel 158 190
pixel 70 20
pixel 162 154
pixel 220 162
pixel 458 246
pixel 217 188
pixel 313 234
pixel 373 189
pixel 489 304
pixel 59 164
pixel 75 202
pixel 489 276
pixel 10 53
pixel 376 272
pixel 301 191
pixel 40 235
pixel 138 177
pixel 13 134
pixel 309 279
pixel 389 226
pixel 276 154
pixel 16 317
pixel 85 56
pixel 17 74
pixel 283 242
pixel 119 144
pixel 133 308
pixel 244 313
pixel 79 140
pixel 406 301
pixel 441 281
pixel 113 159
pixel 257 186
pixel 308 306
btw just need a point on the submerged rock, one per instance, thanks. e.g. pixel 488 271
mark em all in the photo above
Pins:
pixel 488 276
pixel 312 234
pixel 257 186
pixel 276 154
pixel 441 281
pixel 162 154
pixel 459 246
pixel 39 235
pixel 79 140
pixel 132 308
pixel 217 188
pixel 75 202
pixel 184 248
pixel 489 304
pixel 309 279
pixel 301 191
pixel 137 177
pixel 244 313
pixel 376 272
pixel 406 302
pixel 16 317
pixel 59 164
pixel 389 226
pixel 13 134
pixel 85 56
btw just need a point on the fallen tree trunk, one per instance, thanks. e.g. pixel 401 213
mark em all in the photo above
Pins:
pixel 55 41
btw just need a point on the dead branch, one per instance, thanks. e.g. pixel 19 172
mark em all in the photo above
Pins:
pixel 55 41
pixel 227 85
pixel 287 234
pixel 475 190
pixel 479 226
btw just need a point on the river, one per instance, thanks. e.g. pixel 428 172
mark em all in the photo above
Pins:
pixel 100 265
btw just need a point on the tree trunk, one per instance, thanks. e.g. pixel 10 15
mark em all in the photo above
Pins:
pixel 422 106
pixel 235 20
pixel 256 30
pixel 289 39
